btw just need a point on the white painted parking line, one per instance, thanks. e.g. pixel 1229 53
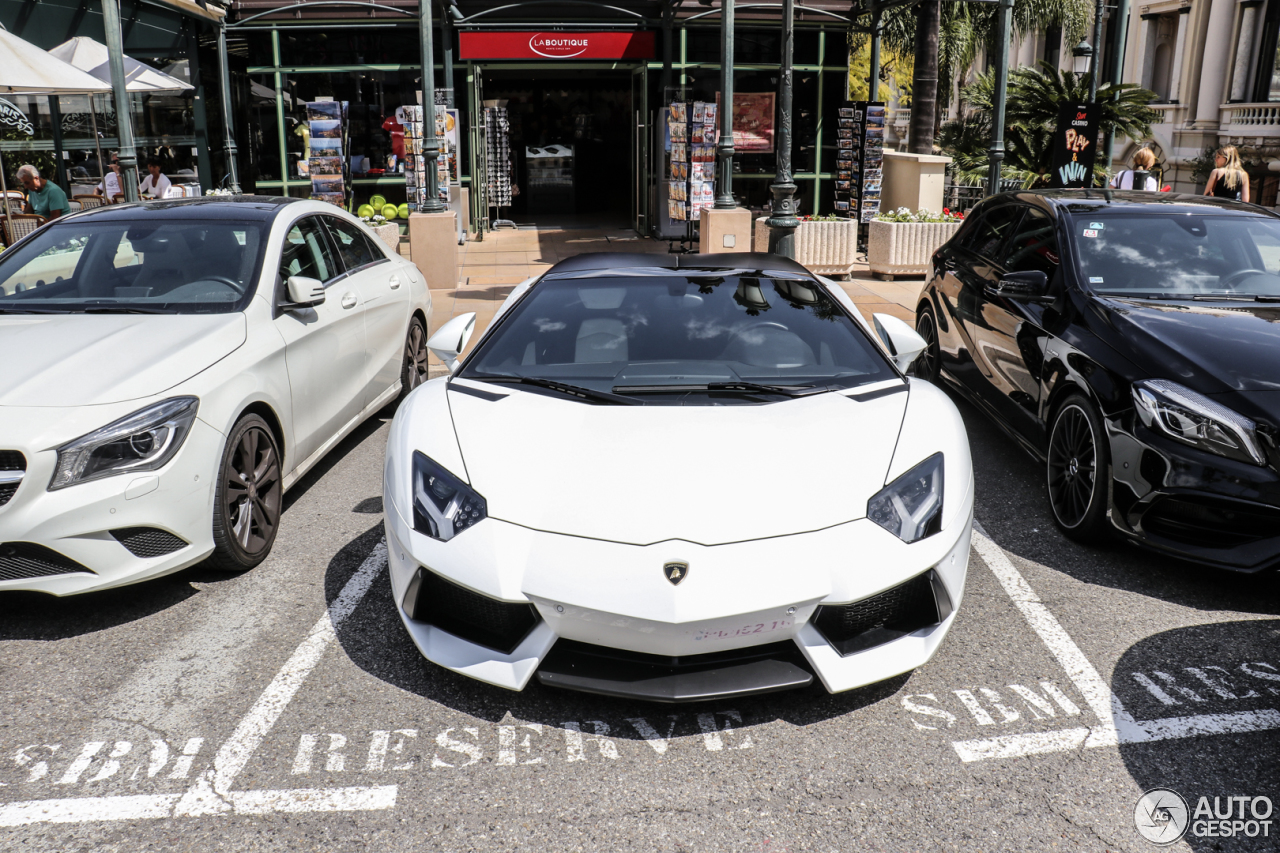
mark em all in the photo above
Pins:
pixel 1115 724
pixel 211 793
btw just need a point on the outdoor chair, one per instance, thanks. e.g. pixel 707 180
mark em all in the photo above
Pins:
pixel 117 198
pixel 15 200
pixel 88 202
pixel 74 206
pixel 19 225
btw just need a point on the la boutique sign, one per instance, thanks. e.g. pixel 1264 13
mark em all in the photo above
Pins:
pixel 543 45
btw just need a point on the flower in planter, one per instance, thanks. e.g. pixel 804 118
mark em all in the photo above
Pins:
pixel 374 221
pixel 903 214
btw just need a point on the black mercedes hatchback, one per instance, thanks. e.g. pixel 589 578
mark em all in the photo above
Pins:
pixel 1130 341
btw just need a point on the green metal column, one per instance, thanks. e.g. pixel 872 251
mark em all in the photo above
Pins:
pixel 724 148
pixel 873 77
pixel 199 112
pixel 995 154
pixel 782 222
pixel 280 129
pixel 1118 42
pixel 124 114
pixel 228 137
pixel 59 156
pixel 431 143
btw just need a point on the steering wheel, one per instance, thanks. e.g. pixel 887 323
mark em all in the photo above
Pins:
pixel 1230 280
pixel 761 324
pixel 222 279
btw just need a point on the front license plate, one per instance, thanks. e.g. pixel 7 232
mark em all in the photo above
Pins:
pixel 742 631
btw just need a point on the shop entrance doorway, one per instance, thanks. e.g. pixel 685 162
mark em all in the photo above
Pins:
pixel 573 144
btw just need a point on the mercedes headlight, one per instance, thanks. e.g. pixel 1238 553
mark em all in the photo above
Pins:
pixel 143 441
pixel 911 506
pixel 443 505
pixel 1194 419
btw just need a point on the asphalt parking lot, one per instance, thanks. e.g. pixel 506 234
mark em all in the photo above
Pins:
pixel 285 709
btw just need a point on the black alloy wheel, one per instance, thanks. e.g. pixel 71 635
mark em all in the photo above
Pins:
pixel 413 372
pixel 1079 471
pixel 928 365
pixel 248 498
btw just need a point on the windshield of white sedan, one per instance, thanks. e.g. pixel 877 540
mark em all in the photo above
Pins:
pixel 143 266
pixel 659 336
pixel 1179 256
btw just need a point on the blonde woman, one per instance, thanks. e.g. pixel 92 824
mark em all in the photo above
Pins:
pixel 1228 179
pixel 1143 160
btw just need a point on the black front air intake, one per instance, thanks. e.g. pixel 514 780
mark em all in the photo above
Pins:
pixel 13 464
pixel 470 616
pixel 148 542
pixel 19 560
pixel 896 612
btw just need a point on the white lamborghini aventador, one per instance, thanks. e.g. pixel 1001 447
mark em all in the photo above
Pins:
pixel 677 478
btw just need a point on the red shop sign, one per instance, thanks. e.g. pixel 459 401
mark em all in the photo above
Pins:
pixel 537 45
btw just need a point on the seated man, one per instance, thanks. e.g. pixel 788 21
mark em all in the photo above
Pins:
pixel 43 198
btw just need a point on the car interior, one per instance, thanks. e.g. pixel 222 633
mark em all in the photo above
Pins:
pixel 141 262
pixel 747 326
pixel 1174 255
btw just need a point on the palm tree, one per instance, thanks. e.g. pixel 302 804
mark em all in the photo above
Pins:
pixel 962 31
pixel 1031 116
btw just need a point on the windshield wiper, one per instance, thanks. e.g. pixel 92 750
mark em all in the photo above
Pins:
pixel 6 309
pixel 741 387
pixel 121 309
pixel 562 388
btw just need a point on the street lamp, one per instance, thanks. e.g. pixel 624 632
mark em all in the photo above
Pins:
pixel 1083 53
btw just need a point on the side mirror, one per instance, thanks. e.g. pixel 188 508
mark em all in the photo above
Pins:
pixel 451 339
pixel 304 292
pixel 1029 286
pixel 902 341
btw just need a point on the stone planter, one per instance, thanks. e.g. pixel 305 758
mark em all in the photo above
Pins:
pixel 389 234
pixel 905 248
pixel 824 248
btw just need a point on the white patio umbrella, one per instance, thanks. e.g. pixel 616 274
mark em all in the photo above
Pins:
pixel 27 70
pixel 139 78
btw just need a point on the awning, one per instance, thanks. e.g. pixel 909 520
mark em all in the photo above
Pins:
pixel 26 69
pixel 91 56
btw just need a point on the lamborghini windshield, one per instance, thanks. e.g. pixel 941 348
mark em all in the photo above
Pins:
pixel 656 333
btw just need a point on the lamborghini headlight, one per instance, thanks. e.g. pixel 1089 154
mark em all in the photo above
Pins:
pixel 1194 419
pixel 911 506
pixel 443 505
pixel 143 441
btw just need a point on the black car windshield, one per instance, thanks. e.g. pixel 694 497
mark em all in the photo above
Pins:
pixel 145 265
pixel 662 337
pixel 1178 255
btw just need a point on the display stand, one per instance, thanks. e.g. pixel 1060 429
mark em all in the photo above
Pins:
pixel 497 150
pixel 690 147
pixel 328 163
pixel 859 163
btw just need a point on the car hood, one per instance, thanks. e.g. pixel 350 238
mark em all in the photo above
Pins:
pixel 704 474
pixel 92 359
pixel 1212 348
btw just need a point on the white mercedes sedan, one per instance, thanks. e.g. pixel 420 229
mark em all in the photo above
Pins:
pixel 677 478
pixel 170 369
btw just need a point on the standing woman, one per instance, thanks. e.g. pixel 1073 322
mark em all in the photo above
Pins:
pixel 1143 160
pixel 1228 179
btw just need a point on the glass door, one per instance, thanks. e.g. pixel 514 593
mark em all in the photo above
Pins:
pixel 640 149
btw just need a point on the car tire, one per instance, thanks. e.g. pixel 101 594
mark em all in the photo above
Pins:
pixel 1078 471
pixel 414 369
pixel 247 498
pixel 928 365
